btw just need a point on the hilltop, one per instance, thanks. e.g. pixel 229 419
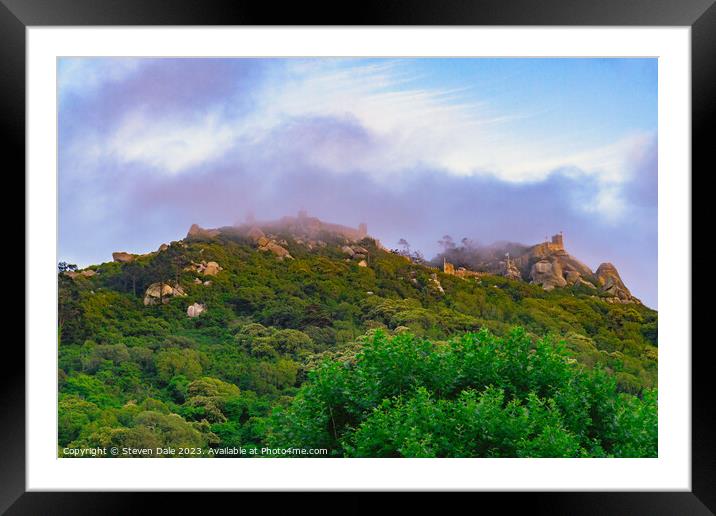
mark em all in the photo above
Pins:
pixel 547 264
pixel 224 327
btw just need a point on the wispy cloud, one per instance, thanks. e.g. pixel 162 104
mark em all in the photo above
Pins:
pixel 171 145
pixel 401 125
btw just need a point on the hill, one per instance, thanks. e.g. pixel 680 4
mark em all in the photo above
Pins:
pixel 224 338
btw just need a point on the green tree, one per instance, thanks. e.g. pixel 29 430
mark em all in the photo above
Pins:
pixel 477 396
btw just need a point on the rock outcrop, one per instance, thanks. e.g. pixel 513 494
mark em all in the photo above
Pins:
pixel 122 257
pixel 612 284
pixel 267 245
pixel 255 234
pixel 87 273
pixel 549 265
pixel 158 293
pixel 547 274
pixel 211 269
pixel 196 232
pixel 204 267
pixel 195 310
pixel 356 253
pixel 435 282
pixel 510 270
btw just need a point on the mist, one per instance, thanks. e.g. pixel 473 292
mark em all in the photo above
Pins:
pixel 421 207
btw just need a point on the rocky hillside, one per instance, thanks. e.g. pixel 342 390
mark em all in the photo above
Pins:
pixel 280 271
pixel 202 340
pixel 303 229
pixel 549 265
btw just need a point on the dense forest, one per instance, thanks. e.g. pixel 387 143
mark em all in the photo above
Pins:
pixel 392 359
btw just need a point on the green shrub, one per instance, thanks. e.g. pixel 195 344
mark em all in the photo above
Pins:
pixel 476 396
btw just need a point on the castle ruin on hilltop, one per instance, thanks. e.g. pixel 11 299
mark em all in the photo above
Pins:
pixel 313 225
pixel 460 272
pixel 556 244
pixel 510 267
pixel 302 225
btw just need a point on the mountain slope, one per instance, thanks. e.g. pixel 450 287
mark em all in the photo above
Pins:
pixel 252 309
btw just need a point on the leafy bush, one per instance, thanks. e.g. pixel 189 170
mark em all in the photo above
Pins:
pixel 476 396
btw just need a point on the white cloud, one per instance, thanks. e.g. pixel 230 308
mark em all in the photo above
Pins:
pixel 409 126
pixel 442 128
pixel 172 145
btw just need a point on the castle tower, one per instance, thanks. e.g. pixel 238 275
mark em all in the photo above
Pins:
pixel 362 230
pixel 558 240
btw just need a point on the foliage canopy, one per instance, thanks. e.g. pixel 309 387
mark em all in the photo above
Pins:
pixel 364 361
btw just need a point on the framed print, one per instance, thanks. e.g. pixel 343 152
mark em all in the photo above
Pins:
pixel 425 250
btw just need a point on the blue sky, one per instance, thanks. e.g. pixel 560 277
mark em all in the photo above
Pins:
pixel 490 149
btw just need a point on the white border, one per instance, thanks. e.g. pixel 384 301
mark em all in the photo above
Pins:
pixel 670 471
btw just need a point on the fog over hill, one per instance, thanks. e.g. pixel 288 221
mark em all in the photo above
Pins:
pixel 421 209
pixel 547 264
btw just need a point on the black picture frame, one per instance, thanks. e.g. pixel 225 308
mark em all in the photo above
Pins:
pixel 700 15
